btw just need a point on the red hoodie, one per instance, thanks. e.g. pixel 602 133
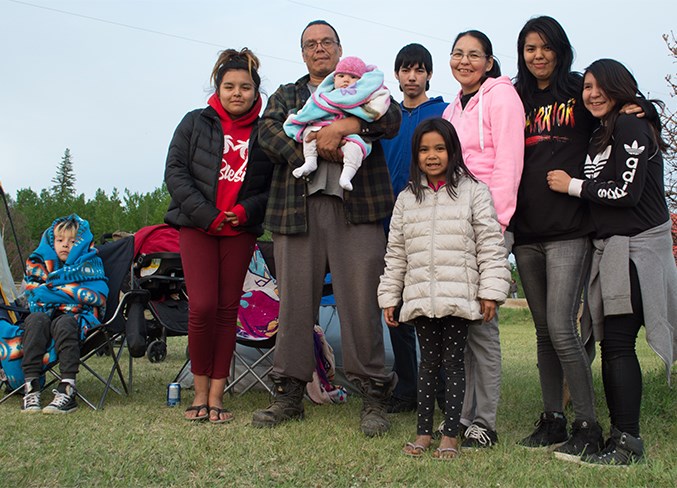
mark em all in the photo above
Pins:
pixel 234 163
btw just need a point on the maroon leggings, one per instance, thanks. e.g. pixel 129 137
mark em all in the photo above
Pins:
pixel 214 268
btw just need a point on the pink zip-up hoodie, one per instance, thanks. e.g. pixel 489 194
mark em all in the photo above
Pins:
pixel 491 131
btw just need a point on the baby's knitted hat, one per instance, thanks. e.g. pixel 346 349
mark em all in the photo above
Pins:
pixel 353 65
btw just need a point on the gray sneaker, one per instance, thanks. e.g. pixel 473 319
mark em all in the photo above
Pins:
pixel 64 400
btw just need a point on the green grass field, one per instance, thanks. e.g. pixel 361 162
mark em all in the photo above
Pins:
pixel 138 441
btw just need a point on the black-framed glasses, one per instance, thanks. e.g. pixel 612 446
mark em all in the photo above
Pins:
pixel 472 56
pixel 312 45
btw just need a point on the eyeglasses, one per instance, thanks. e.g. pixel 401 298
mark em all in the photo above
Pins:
pixel 473 56
pixel 312 45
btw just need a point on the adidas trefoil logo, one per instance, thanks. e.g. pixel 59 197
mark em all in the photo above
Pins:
pixel 635 149
pixel 593 167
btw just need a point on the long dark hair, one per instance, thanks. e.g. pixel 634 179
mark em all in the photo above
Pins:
pixel 488 49
pixel 620 86
pixel 564 83
pixel 456 167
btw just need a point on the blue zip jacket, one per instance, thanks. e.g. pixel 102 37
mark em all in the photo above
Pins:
pixel 398 149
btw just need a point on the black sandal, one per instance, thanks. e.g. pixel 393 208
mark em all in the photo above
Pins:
pixel 197 409
pixel 219 411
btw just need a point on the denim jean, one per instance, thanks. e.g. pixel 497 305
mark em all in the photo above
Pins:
pixel 553 275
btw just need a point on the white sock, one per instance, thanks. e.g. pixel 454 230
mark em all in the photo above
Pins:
pixel 346 178
pixel 308 167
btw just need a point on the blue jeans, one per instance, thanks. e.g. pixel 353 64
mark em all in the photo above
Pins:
pixel 553 275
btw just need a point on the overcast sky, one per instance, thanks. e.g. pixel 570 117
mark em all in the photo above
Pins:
pixel 111 79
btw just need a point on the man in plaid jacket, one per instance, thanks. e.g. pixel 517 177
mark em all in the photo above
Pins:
pixel 317 225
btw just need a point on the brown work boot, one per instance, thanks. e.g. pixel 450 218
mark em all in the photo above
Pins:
pixel 287 403
pixel 373 417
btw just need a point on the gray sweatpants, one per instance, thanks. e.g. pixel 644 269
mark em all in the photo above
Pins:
pixel 40 329
pixel 355 255
pixel 482 374
pixel 483 368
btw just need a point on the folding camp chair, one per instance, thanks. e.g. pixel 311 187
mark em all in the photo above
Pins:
pixel 107 338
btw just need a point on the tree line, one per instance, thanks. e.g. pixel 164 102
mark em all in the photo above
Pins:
pixel 33 212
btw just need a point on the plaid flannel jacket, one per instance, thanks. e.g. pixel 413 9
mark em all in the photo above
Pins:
pixel 372 197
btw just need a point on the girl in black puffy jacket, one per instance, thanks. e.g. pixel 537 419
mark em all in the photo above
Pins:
pixel 218 178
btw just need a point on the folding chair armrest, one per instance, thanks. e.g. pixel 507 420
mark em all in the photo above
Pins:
pixel 132 296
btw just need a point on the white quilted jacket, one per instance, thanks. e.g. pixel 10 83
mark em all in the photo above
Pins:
pixel 444 254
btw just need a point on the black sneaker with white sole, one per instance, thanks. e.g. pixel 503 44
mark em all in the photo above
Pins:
pixel 479 436
pixel 64 400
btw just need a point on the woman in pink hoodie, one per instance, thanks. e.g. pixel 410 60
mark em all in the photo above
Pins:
pixel 488 116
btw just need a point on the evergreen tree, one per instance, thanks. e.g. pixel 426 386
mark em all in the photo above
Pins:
pixel 64 181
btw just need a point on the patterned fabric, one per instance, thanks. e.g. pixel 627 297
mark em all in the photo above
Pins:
pixel 372 197
pixel 367 99
pixel 11 353
pixel 260 302
pixel 77 286
pixel 322 389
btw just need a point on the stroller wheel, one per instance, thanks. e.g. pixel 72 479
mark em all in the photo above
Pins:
pixel 156 351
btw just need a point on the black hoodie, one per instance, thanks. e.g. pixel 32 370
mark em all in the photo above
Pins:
pixel 557 135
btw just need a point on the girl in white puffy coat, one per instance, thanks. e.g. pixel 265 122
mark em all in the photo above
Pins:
pixel 446 265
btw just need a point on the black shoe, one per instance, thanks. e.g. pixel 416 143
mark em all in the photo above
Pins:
pixel 64 400
pixel 551 431
pixel 479 436
pixel 31 400
pixel 621 451
pixel 586 438
pixel 399 405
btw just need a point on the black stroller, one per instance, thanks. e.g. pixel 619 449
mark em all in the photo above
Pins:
pixel 157 271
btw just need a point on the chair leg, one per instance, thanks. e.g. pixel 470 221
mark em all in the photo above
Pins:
pixel 11 394
pixel 114 369
pixel 249 369
pixel 178 375
pixel 58 378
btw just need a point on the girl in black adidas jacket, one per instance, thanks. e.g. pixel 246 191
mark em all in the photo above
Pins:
pixel 633 278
